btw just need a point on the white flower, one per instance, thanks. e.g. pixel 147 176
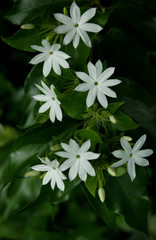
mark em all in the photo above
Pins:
pixel 97 83
pixel 51 57
pixel 132 155
pixel 51 101
pixel 76 25
pixel 78 159
pixel 53 173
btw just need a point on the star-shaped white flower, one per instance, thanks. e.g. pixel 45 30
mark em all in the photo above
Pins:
pixel 76 26
pixel 97 83
pixel 132 155
pixel 78 159
pixel 51 101
pixel 51 57
pixel 53 174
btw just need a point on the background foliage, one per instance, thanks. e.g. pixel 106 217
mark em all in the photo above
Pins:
pixel 128 43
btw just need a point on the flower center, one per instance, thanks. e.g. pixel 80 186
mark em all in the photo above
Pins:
pixel 76 25
pixel 53 98
pixel 50 53
pixel 96 83
pixel 77 156
pixel 131 154
pixel 54 168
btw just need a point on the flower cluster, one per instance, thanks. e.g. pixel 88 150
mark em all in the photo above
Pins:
pixel 97 83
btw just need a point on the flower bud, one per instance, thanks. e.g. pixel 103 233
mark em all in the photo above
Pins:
pixel 111 171
pixel 31 174
pixel 27 26
pixel 102 195
pixel 112 119
pixel 55 147
pixel 65 11
pixel 127 138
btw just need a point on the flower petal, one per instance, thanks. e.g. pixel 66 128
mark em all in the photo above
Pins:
pixel 85 147
pixel 74 146
pixel 73 171
pixel 111 82
pixel 87 15
pixel 39 48
pixel 91 96
pixel 125 144
pixel 40 168
pixel 91 27
pixel 61 62
pixel 92 70
pixel 144 153
pixel 82 173
pixel 55 163
pixel 90 155
pixel 75 12
pixel 58 111
pixel 63 154
pixel 102 99
pixel 56 68
pixel 47 66
pixel 41 57
pixel 44 107
pixel 76 40
pixel 106 74
pixel 67 164
pixel 139 143
pixel 107 91
pixel 84 37
pixel 120 154
pixel 46 44
pixel 62 55
pixel 88 167
pixel 69 37
pixel 83 87
pixel 84 77
pixel 59 181
pixel 99 68
pixel 63 18
pixel 47 177
pixel 141 161
pixel 43 90
pixel 131 169
pixel 63 29
pixel 52 183
pixel 41 98
pixel 55 47
pixel 119 163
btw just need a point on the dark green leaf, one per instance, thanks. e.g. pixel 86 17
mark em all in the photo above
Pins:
pixel 91 184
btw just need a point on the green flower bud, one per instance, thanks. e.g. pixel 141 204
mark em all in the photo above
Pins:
pixel 102 195
pixel 27 26
pixel 112 119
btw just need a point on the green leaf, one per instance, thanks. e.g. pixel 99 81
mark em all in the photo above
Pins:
pixel 91 184
pixel 124 122
pixel 129 198
pixel 23 39
pixel 86 134
pixel 113 107
pixel 101 209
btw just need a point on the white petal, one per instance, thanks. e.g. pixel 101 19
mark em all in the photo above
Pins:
pixel 92 71
pixel 107 91
pixel 106 74
pixel 47 177
pixel 91 27
pixel 85 147
pixel 52 114
pixel 120 154
pixel 125 144
pixel 84 37
pixel 139 143
pixel 58 111
pixel 82 173
pixel 75 12
pixel 63 154
pixel 119 163
pixel 84 77
pixel 74 146
pixel 46 44
pixel 69 37
pixel 55 47
pixel 67 164
pixel 144 153
pixel 43 90
pixel 111 82
pixel 131 169
pixel 52 183
pixel 40 168
pixel 63 18
pixel 76 40
pixel 83 87
pixel 41 98
pixel 66 147
pixel 55 163
pixel 87 15
pixel 91 96
pixel 39 58
pixel 62 55
pixel 44 107
pixel 99 68
pixel 47 66
pixel 63 28
pixel 46 87
pixel 91 155
pixel 56 68
pixel 102 99
pixel 88 167
pixel 61 62
pixel 74 171
pixel 39 48
pixel 141 161
pixel 59 181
